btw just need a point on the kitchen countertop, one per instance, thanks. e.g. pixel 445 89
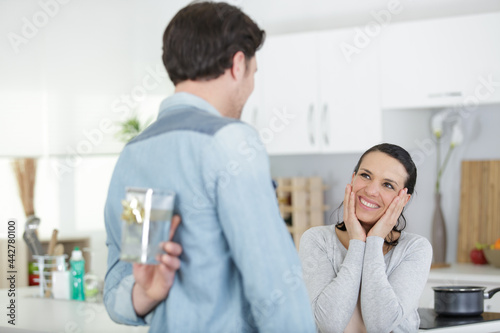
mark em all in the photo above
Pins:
pixel 489 327
pixel 35 314
pixel 467 272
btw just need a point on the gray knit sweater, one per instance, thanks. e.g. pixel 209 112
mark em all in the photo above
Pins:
pixel 390 285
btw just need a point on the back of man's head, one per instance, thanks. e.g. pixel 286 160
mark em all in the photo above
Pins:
pixel 202 38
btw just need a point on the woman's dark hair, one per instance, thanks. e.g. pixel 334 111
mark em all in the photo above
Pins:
pixel 203 37
pixel 405 159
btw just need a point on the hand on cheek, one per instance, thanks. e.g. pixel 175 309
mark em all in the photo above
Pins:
pixel 354 228
pixel 390 218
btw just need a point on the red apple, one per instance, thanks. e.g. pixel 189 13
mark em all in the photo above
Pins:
pixel 477 256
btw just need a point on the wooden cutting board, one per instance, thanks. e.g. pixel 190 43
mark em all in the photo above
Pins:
pixel 479 219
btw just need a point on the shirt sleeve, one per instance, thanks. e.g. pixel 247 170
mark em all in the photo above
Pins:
pixel 260 244
pixel 119 279
pixel 333 296
pixel 386 301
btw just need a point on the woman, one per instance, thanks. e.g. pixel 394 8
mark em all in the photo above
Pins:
pixel 365 274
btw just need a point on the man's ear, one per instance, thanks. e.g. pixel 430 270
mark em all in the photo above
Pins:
pixel 239 66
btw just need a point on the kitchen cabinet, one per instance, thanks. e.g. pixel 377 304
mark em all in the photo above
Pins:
pixel 350 116
pixel 441 62
pixel 322 102
pixel 290 83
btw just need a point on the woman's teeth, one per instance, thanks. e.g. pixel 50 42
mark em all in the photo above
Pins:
pixel 367 204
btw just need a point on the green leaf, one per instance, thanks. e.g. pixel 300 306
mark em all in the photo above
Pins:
pixel 130 128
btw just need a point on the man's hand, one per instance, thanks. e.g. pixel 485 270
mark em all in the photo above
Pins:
pixel 153 282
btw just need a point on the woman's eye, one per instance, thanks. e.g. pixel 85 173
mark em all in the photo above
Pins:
pixel 365 175
pixel 389 185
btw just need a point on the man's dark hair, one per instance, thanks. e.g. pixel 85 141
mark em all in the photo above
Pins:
pixel 202 38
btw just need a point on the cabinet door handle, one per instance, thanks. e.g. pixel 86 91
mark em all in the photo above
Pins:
pixel 325 124
pixel 445 94
pixel 310 119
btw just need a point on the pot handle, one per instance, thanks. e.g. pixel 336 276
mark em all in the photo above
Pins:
pixel 489 294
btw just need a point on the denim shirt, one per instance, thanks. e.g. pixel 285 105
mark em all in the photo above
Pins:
pixel 239 271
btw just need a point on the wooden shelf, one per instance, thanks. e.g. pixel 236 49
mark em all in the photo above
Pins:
pixel 301 202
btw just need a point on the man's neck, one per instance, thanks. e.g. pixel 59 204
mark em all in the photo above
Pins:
pixel 211 91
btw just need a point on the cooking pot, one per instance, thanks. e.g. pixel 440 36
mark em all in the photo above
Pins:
pixel 461 300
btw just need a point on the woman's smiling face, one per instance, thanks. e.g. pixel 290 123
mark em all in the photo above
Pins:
pixel 379 179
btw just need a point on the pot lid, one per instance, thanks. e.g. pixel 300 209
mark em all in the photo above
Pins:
pixel 459 288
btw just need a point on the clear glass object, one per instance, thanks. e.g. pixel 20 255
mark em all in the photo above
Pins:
pixel 44 266
pixel 146 218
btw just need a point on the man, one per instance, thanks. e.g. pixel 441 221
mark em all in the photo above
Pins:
pixel 239 270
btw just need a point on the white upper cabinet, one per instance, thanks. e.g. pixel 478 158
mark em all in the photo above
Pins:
pixel 290 87
pixel 442 62
pixel 350 117
pixel 315 100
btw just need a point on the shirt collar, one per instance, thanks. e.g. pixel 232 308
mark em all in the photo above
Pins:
pixel 183 99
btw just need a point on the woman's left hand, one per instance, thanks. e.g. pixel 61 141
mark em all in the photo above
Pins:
pixel 384 226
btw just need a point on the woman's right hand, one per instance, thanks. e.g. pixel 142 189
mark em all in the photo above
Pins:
pixel 354 228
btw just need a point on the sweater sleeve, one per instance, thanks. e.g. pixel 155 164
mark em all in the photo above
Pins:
pixel 387 301
pixel 333 296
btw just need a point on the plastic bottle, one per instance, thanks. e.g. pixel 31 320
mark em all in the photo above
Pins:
pixel 77 271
